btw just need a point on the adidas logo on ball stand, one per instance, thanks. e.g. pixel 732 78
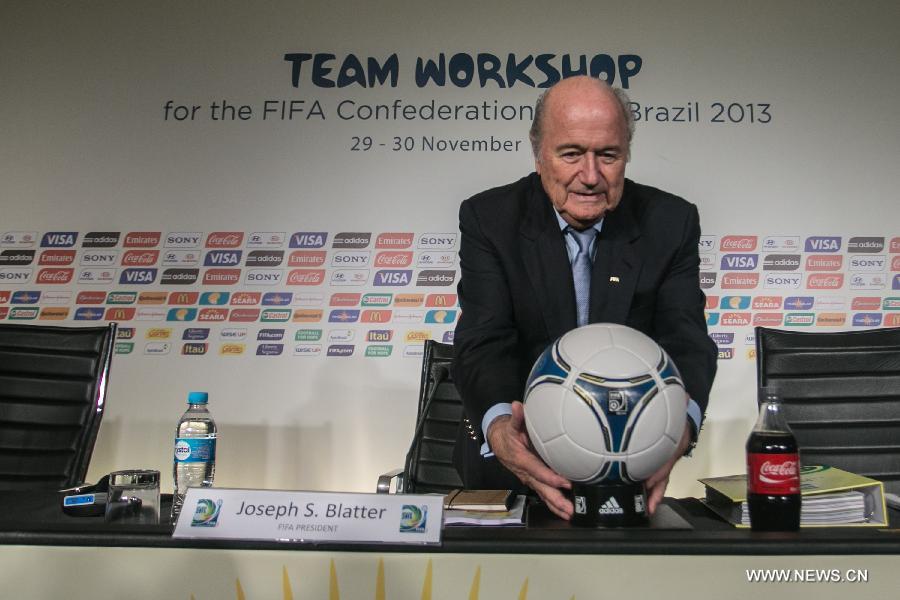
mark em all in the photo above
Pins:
pixel 609 505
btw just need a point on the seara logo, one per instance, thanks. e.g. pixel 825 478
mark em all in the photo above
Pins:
pixel 735 319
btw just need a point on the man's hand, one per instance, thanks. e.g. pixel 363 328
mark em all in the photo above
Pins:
pixel 656 483
pixel 509 441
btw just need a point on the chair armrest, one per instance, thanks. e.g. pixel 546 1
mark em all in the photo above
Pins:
pixel 384 481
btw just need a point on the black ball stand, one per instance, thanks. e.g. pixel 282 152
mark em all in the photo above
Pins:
pixel 609 505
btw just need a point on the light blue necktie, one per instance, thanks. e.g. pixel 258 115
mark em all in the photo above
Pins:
pixel 581 271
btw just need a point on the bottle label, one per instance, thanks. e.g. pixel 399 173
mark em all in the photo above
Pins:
pixel 195 449
pixel 773 474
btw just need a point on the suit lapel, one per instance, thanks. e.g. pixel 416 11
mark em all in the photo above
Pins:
pixel 547 263
pixel 616 267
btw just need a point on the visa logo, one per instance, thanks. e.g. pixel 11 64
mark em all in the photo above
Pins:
pixel 220 258
pixel 137 276
pixel 739 262
pixel 311 239
pixel 392 277
pixel 59 239
pixel 823 244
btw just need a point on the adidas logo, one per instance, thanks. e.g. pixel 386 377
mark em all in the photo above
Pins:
pixel 611 507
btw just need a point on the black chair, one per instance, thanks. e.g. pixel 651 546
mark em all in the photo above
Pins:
pixel 53 383
pixel 841 396
pixel 429 463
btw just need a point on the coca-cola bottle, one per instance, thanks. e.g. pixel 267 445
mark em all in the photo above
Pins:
pixel 773 470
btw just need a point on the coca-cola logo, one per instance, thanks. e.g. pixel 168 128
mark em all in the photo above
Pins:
pixel 393 259
pixel 224 239
pixel 738 242
pixel 772 472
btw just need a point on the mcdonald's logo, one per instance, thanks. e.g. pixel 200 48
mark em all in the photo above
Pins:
pixel 375 316
pixel 184 298
pixel 119 314
pixel 440 300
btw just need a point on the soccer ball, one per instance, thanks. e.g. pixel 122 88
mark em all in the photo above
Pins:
pixel 604 403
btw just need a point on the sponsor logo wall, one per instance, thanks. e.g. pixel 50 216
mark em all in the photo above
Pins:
pixel 130 278
pixel 401 279
pixel 811 282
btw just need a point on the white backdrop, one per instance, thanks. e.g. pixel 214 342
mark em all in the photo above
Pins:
pixel 85 146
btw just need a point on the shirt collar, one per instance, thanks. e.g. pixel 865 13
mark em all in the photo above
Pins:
pixel 562 223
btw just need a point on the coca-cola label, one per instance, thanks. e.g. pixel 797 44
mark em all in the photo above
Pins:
pixel 773 474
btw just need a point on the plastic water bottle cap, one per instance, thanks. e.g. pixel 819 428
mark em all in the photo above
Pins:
pixel 198 398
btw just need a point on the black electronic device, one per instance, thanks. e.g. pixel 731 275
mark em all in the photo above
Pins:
pixel 86 500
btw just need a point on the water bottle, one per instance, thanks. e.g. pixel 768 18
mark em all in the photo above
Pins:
pixel 195 450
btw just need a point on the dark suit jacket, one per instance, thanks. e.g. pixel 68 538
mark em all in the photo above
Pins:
pixel 517 295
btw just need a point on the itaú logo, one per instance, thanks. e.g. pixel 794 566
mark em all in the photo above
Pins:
pixel 778 472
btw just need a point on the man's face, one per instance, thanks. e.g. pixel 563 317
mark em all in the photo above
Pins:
pixel 583 151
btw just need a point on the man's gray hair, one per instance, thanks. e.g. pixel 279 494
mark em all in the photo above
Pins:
pixel 535 134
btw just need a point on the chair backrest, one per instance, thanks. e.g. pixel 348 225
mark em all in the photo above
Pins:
pixel 429 465
pixel 841 395
pixel 53 383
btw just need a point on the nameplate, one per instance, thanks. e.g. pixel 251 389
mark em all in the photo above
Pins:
pixel 239 514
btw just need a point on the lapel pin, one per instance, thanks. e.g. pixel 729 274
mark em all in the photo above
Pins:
pixel 614 279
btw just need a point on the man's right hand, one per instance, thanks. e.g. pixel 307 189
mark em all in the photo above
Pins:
pixel 509 442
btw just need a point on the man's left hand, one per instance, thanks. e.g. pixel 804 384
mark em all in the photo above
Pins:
pixel 656 483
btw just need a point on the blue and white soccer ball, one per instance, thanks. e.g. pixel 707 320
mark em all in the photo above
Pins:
pixel 605 403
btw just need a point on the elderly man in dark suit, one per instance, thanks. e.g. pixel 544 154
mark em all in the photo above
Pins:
pixel 518 293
